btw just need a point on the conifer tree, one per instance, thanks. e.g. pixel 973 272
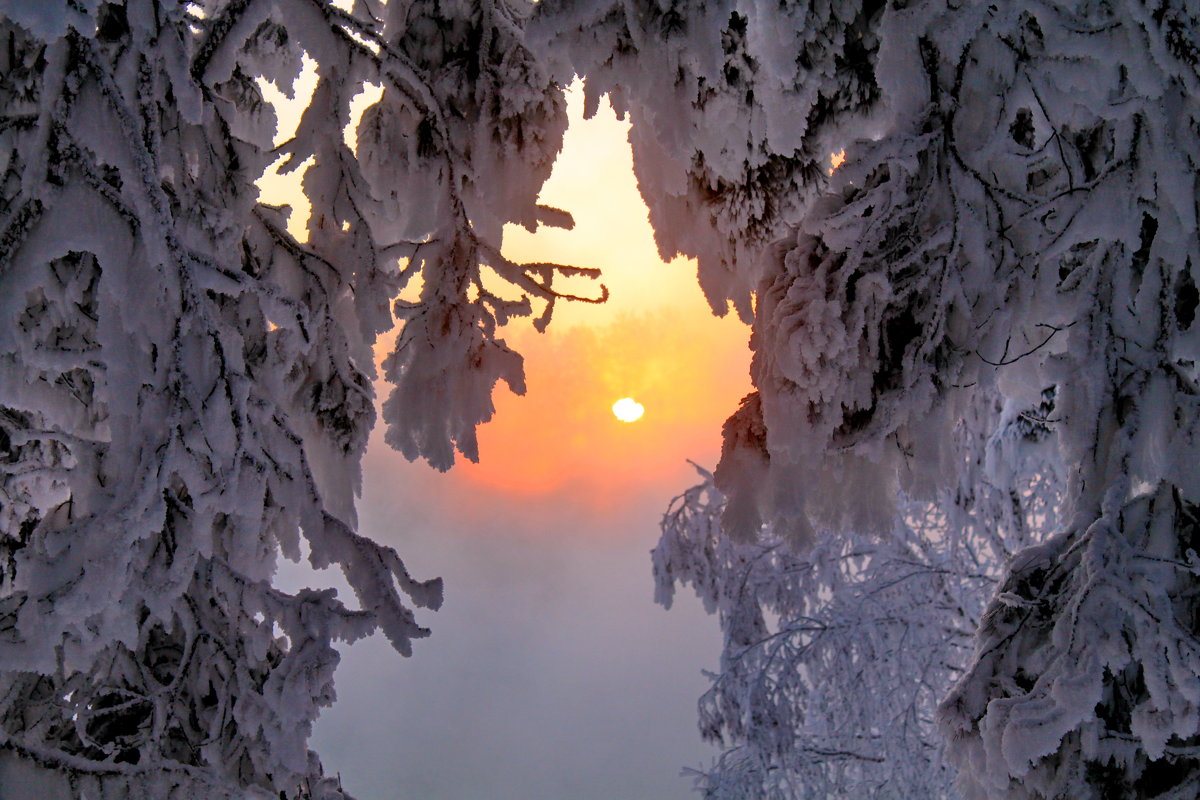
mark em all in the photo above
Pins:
pixel 186 389
pixel 1015 220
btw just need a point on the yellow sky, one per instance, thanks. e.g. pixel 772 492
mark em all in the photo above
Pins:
pixel 593 179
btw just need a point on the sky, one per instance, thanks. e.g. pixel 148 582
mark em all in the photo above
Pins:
pixel 550 672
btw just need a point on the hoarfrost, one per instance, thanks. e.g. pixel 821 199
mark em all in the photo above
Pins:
pixel 186 389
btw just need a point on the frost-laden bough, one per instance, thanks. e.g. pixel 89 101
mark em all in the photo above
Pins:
pixel 735 109
pixel 186 389
pixel 836 656
pixel 1016 215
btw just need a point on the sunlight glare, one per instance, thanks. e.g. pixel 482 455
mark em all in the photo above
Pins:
pixel 628 410
pixel 836 160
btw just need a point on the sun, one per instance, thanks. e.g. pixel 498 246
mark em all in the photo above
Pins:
pixel 628 410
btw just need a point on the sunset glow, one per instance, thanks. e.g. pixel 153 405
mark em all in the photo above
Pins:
pixel 655 341
pixel 562 439
pixel 628 410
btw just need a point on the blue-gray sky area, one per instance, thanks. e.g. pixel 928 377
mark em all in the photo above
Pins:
pixel 550 673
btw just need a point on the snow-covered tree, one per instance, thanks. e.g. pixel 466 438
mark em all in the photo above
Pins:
pixel 1017 211
pixel 836 657
pixel 736 108
pixel 1087 670
pixel 186 389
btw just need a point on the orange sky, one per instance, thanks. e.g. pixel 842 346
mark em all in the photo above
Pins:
pixel 562 435
pixel 655 340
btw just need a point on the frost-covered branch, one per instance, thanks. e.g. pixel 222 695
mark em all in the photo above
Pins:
pixel 835 658
pixel 736 108
pixel 1018 212
pixel 186 389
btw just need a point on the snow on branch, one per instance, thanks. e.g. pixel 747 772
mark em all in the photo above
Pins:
pixel 736 108
pixel 1018 215
pixel 186 389
pixel 835 658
